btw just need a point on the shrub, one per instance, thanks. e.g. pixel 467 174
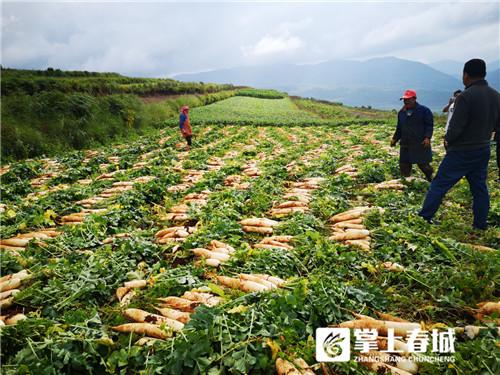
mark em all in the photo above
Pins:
pixel 259 93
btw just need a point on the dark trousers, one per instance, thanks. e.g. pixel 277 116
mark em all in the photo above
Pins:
pixel 188 139
pixel 406 168
pixel 473 165
pixel 498 156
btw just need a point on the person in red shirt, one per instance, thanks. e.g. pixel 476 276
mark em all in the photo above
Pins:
pixel 185 126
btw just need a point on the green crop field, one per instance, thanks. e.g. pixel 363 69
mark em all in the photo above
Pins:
pixel 242 110
pixel 142 258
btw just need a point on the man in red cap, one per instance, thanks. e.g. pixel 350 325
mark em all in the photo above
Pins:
pixel 414 131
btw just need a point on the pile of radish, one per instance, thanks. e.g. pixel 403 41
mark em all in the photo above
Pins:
pixel 251 282
pixel 348 228
pixel 258 225
pixel 218 252
pixel 275 242
pixel 174 234
pixel 19 242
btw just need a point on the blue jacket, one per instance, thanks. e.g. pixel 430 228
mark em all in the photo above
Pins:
pixel 182 118
pixel 414 125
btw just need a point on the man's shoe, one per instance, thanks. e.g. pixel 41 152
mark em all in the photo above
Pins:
pixel 430 221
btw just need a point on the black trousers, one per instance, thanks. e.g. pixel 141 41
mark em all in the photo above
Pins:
pixel 498 156
pixel 188 139
pixel 427 169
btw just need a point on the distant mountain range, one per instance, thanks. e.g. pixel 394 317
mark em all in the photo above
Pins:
pixel 454 68
pixel 376 82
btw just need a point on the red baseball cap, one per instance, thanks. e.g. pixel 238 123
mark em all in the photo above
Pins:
pixel 409 94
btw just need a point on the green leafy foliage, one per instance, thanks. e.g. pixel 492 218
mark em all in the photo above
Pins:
pixel 69 298
pixel 261 93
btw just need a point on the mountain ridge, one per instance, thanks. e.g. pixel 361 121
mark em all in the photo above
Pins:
pixel 376 82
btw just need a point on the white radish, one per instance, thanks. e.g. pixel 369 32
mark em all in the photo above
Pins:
pixel 147 329
pixel 261 230
pixel 141 316
pixel 135 284
pixel 15 319
pixel 210 254
pixel 8 293
pixel 267 284
pixel 12 283
pixel 212 262
pixel 259 222
pixel 180 316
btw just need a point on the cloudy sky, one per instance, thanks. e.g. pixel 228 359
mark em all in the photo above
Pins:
pixel 163 38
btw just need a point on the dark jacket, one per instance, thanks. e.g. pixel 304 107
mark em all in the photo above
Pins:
pixel 476 116
pixel 412 130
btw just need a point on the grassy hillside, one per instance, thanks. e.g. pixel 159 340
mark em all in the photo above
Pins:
pixel 15 81
pixel 147 211
pixel 52 111
pixel 48 112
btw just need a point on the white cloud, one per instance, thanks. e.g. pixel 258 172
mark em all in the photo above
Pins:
pixel 9 20
pixel 295 26
pixel 269 45
pixel 157 39
pixel 462 47
pixel 430 26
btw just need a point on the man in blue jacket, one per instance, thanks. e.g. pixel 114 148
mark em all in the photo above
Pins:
pixel 414 131
pixel 467 142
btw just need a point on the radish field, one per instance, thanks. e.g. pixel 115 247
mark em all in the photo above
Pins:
pixel 285 216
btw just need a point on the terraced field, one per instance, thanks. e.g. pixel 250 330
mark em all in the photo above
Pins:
pixel 144 258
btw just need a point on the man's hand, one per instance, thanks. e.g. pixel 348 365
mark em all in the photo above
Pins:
pixel 445 144
pixel 426 142
pixel 393 142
